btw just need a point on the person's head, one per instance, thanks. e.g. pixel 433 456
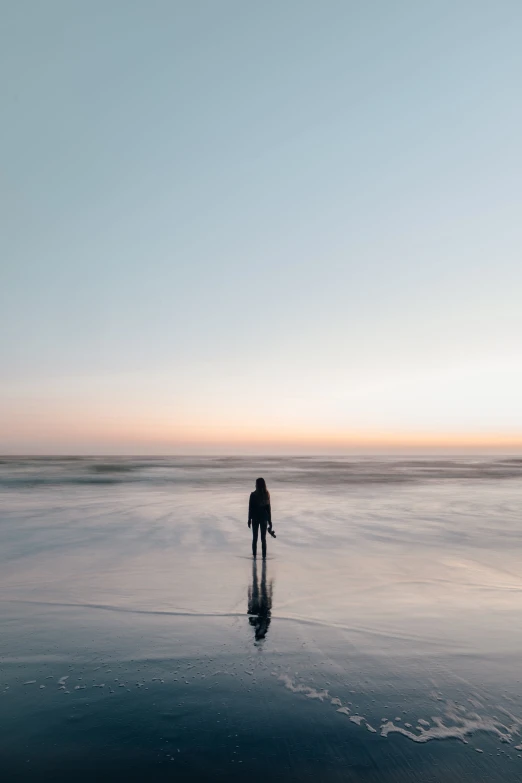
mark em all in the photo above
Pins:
pixel 262 491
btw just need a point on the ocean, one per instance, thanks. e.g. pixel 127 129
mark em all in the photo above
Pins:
pixel 380 641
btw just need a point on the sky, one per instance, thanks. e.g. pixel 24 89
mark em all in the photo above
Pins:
pixel 280 226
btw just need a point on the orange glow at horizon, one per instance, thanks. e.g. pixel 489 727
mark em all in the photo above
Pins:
pixel 152 434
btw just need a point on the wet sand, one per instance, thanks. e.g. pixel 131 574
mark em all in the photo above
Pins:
pixel 379 642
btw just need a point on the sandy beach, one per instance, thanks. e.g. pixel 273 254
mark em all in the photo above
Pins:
pixel 379 642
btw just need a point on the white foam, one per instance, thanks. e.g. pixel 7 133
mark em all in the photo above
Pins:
pixel 310 693
pixel 455 723
pixel 461 727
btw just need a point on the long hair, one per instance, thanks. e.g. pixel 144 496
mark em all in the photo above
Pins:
pixel 262 492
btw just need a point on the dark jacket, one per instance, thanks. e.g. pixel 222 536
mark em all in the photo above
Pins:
pixel 257 512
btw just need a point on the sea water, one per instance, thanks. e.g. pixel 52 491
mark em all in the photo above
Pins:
pixel 380 641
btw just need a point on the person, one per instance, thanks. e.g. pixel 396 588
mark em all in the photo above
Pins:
pixel 259 515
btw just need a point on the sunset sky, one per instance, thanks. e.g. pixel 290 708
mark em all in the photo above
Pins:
pixel 279 226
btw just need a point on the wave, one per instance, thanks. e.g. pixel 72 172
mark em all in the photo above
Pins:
pixel 284 618
pixel 453 722
pixel 35 472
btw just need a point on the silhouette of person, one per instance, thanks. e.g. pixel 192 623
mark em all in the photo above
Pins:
pixel 259 515
pixel 259 602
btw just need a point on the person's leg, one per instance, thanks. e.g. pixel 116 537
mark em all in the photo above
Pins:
pixel 255 531
pixel 263 537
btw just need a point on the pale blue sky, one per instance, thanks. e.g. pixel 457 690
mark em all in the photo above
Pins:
pixel 279 217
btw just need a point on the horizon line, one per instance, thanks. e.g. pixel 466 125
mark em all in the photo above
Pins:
pixel 253 455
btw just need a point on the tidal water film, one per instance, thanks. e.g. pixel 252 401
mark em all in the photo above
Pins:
pixel 381 641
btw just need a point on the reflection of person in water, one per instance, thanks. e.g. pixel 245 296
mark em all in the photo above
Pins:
pixel 259 515
pixel 259 602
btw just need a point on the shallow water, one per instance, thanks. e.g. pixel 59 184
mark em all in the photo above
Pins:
pixel 380 642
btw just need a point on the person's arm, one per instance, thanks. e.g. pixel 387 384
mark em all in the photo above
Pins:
pixel 250 511
pixel 269 517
